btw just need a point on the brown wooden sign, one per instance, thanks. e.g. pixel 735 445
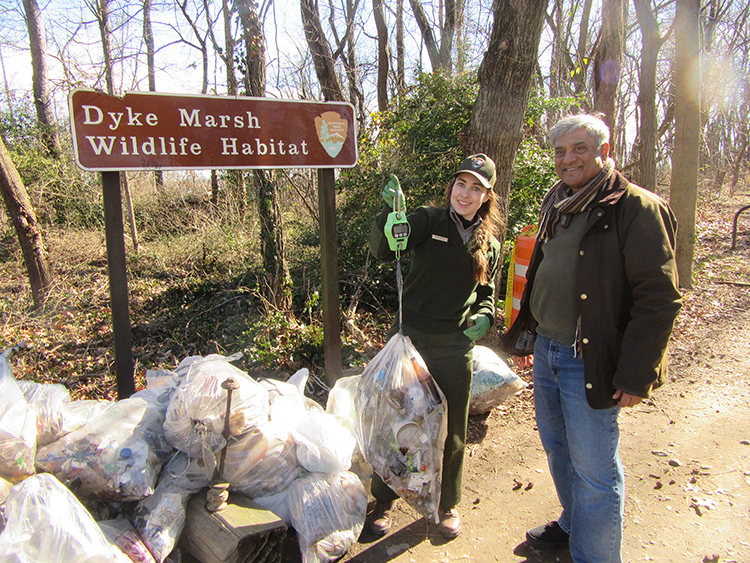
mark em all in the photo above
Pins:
pixel 154 131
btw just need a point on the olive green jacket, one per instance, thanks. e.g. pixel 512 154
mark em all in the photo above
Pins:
pixel 628 293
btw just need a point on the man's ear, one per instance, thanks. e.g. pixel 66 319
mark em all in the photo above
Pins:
pixel 605 150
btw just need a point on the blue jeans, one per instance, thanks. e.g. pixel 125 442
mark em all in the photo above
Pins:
pixel 583 451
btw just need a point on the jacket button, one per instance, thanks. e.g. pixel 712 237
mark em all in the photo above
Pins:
pixel 584 296
pixel 606 226
pixel 585 340
pixel 589 386
pixel 581 253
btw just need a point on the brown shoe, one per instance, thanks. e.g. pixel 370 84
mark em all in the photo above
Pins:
pixel 381 518
pixel 450 524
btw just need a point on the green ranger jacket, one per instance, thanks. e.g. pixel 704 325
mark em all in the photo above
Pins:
pixel 440 292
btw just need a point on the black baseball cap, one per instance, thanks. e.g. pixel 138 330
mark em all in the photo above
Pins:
pixel 481 166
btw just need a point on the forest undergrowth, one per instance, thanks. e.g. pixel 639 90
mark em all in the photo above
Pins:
pixel 176 313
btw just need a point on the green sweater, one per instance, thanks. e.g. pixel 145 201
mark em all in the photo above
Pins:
pixel 440 292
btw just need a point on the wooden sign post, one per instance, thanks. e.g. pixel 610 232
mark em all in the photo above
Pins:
pixel 154 131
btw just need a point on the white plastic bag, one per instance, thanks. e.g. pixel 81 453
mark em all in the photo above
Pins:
pixel 340 401
pixel 121 533
pixel 57 415
pixel 160 518
pixel 492 381
pixel 47 524
pixel 17 427
pixel 328 513
pixel 185 473
pixel 324 445
pixel 116 456
pixel 278 503
pixel 261 462
pixel 48 400
pixel 195 417
pixel 287 398
pixel 402 424
pixel 341 404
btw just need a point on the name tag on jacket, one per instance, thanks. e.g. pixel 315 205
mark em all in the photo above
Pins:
pixel 440 238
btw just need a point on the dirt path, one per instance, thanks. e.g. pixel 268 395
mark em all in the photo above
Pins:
pixel 686 455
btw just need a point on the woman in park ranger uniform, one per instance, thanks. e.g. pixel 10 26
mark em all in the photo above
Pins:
pixel 448 303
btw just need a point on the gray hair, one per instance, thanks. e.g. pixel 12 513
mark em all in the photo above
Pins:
pixel 593 124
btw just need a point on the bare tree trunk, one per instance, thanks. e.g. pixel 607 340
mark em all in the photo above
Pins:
pixel 738 163
pixel 229 49
pixel 23 217
pixel 278 288
pixel 234 177
pixel 102 15
pixel 607 62
pixel 557 74
pixel 460 40
pixel 683 192
pixel 202 42
pixel 384 54
pixel 581 51
pixel 744 138
pixel 278 282
pixel 148 38
pixel 105 32
pixel 42 101
pixel 214 188
pixel 321 52
pixel 356 95
pixel 400 69
pixel 505 77
pixel 651 43
pixel 201 39
pixel 8 95
pixel 440 55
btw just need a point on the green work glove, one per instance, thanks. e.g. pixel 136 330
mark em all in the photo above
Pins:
pixel 480 328
pixel 391 190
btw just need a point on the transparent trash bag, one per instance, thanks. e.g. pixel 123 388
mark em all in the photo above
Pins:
pixel 160 518
pixel 401 424
pixel 340 403
pixel 195 416
pixel 57 414
pixel 121 533
pixel 17 427
pixel 324 445
pixel 47 524
pixel 116 456
pixel 492 383
pixel 261 462
pixel 328 512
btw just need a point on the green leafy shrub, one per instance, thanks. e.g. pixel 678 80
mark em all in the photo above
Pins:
pixel 62 194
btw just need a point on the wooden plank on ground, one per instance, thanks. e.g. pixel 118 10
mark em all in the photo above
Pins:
pixel 243 532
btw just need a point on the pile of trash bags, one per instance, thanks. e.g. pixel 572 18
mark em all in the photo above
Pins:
pixel 110 480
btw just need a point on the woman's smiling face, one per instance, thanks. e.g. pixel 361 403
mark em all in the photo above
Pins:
pixel 468 195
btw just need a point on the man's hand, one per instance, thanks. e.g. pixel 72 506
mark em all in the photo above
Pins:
pixel 523 362
pixel 626 399
pixel 480 328
pixel 392 190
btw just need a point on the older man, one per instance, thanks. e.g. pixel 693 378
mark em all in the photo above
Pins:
pixel 598 309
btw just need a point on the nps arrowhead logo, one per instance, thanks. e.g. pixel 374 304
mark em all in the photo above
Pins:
pixel 332 131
